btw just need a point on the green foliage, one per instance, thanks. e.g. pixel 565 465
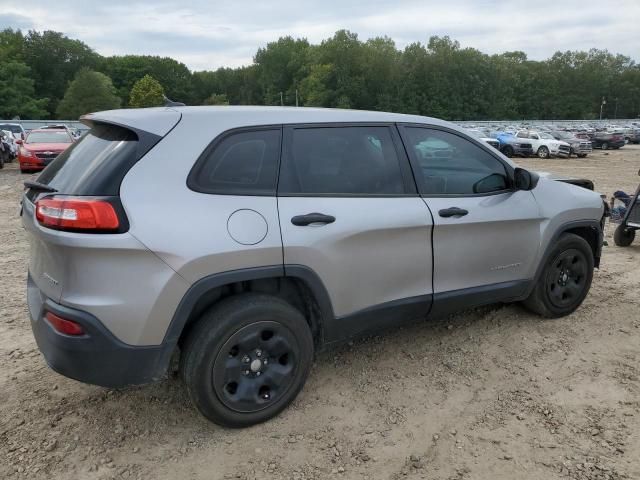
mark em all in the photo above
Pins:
pixel 17 92
pixel 146 92
pixel 216 99
pixel 439 78
pixel 88 92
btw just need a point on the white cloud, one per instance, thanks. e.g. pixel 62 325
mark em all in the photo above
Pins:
pixel 207 35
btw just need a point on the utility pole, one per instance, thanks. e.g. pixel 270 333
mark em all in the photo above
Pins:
pixel 296 97
pixel 604 102
pixel 615 114
pixel 281 100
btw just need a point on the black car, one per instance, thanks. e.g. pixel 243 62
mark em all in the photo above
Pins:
pixel 606 140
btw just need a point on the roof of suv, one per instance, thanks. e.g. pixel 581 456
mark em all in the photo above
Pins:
pixel 159 119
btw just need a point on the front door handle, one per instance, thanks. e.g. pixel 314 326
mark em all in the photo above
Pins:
pixel 309 218
pixel 453 212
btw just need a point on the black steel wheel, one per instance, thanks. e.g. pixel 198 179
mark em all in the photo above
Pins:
pixel 246 359
pixel 256 366
pixel 508 151
pixel 565 279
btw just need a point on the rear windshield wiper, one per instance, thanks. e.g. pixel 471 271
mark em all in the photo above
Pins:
pixel 39 186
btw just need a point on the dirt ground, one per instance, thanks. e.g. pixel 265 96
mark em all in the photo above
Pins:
pixel 494 393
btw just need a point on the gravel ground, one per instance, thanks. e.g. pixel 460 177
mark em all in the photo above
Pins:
pixel 493 393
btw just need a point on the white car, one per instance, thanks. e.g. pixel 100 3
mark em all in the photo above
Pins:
pixel 544 145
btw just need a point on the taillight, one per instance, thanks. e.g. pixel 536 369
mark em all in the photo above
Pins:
pixel 77 213
pixel 63 325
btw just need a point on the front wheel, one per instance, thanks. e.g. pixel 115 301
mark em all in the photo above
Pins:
pixel 623 236
pixel 565 279
pixel 508 151
pixel 543 152
pixel 604 146
pixel 246 359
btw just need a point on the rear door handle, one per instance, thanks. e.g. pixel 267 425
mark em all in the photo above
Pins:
pixel 453 212
pixel 309 218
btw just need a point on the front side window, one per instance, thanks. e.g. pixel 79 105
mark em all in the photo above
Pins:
pixel 243 163
pixel 448 164
pixel 358 160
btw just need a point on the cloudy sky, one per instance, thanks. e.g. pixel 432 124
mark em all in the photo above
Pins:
pixel 209 34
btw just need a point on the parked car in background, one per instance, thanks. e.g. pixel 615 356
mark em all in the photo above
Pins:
pixel 544 144
pixel 579 146
pixel 6 155
pixel 606 140
pixel 41 147
pixel 15 128
pixel 632 135
pixel 480 135
pixel 12 142
pixel 320 225
pixel 512 146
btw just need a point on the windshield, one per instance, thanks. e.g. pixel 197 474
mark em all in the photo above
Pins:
pixel 563 134
pixel 11 128
pixel 547 136
pixel 49 137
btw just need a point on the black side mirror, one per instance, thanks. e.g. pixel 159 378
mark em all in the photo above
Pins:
pixel 524 179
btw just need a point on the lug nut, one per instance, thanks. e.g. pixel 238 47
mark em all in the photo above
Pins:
pixel 246 372
pixel 246 359
pixel 258 353
pixel 258 373
pixel 265 361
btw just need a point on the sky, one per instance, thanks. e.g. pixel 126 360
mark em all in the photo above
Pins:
pixel 206 35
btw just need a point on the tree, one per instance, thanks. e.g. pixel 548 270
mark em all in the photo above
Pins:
pixel 216 99
pixel 88 92
pixel 17 92
pixel 54 60
pixel 146 92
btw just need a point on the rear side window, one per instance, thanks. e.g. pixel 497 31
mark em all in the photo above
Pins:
pixel 242 163
pixel 341 160
pixel 96 164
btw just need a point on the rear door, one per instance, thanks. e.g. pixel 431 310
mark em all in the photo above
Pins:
pixel 349 211
pixel 486 234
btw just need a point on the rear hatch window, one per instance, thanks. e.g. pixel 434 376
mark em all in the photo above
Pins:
pixel 95 165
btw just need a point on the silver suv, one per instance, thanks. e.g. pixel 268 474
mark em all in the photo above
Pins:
pixel 239 240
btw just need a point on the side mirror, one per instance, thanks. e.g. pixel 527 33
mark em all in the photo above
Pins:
pixel 524 179
pixel 19 141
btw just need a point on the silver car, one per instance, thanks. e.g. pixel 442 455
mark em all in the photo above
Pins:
pixel 273 232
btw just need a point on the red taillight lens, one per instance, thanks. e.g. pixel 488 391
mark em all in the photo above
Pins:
pixel 62 325
pixel 77 213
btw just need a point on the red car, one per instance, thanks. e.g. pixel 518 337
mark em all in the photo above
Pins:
pixel 41 147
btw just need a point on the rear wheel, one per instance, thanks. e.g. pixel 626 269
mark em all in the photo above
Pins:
pixel 604 146
pixel 623 236
pixel 565 279
pixel 246 359
pixel 508 151
pixel 543 152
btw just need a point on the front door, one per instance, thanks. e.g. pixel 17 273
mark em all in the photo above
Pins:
pixel 349 211
pixel 486 233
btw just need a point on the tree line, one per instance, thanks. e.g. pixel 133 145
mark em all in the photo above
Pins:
pixel 48 75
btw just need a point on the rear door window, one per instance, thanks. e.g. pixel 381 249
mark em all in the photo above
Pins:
pixel 96 164
pixel 353 160
pixel 242 163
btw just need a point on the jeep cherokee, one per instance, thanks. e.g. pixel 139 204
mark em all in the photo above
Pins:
pixel 276 231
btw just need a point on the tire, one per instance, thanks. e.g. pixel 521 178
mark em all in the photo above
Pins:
pixel 224 361
pixel 565 279
pixel 543 152
pixel 508 151
pixel 1 163
pixel 582 155
pixel 622 236
pixel 604 146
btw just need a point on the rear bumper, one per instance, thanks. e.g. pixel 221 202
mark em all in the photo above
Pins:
pixel 97 357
